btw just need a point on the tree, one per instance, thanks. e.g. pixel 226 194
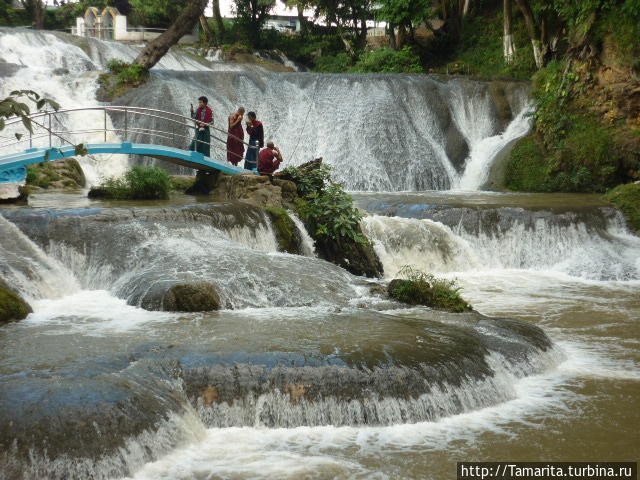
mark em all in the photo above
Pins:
pixel 300 6
pixel 35 8
pixel 251 16
pixel 508 44
pixel 157 48
pixel 406 15
pixel 217 19
pixel 156 13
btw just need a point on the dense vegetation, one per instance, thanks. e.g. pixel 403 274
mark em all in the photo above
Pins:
pixel 419 288
pixel 139 183
pixel 323 204
pixel 627 198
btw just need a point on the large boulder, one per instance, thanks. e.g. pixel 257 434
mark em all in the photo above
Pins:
pixel 12 305
pixel 191 297
pixel 58 174
pixel 13 193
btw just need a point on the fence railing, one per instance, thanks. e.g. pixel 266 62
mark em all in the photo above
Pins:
pixel 48 130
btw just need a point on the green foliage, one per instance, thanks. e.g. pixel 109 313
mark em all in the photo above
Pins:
pixel 419 288
pixel 140 183
pixel 387 60
pixel 405 12
pixel 381 60
pixel 13 106
pixel 156 13
pixel 480 50
pixel 42 175
pixel 627 198
pixel 582 160
pixel 339 63
pixel 324 206
pixel 128 74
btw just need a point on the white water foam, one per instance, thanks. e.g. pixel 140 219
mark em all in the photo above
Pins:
pixel 486 149
pixel 29 269
pixel 308 245
pixel 570 249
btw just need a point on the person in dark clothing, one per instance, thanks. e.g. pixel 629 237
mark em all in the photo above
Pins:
pixel 203 117
pixel 269 159
pixel 256 141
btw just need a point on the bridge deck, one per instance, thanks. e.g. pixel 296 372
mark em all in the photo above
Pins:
pixel 13 166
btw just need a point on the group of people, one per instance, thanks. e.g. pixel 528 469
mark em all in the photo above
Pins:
pixel 264 160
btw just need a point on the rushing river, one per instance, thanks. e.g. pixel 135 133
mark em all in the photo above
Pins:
pixel 307 372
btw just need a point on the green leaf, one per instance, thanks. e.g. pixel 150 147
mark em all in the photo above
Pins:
pixel 81 150
pixel 18 136
pixel 26 121
pixel 41 103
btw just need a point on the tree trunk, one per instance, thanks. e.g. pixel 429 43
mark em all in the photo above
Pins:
pixel 217 19
pixel 465 8
pixel 392 37
pixel 157 48
pixel 209 36
pixel 532 29
pixel 402 37
pixel 36 10
pixel 302 20
pixel 509 46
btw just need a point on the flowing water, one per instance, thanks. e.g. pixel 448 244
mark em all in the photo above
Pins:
pixel 307 372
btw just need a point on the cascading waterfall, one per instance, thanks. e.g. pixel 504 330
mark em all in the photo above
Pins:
pixel 380 132
pixel 595 246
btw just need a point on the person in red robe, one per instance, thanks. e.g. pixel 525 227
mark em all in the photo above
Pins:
pixel 269 159
pixel 235 147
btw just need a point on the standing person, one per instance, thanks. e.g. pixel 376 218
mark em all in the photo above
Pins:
pixel 269 159
pixel 256 139
pixel 203 117
pixel 235 147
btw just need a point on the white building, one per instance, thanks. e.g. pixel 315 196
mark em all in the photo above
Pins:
pixel 110 24
pixel 283 23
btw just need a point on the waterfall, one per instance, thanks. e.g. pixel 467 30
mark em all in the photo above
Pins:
pixel 137 255
pixel 592 246
pixel 379 132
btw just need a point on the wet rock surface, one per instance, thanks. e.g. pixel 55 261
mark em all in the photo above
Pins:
pixel 114 409
pixel 12 306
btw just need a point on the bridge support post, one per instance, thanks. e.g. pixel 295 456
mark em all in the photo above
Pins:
pixel 205 182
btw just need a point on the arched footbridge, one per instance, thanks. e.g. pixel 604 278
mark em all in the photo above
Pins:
pixel 52 138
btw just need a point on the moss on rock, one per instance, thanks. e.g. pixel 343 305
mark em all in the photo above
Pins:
pixel 191 297
pixel 285 230
pixel 627 198
pixel 59 174
pixel 12 305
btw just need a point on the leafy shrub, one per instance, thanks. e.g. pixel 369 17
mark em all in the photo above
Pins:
pixel 324 206
pixel 627 198
pixel 387 60
pixel 339 63
pixel 128 74
pixel 419 288
pixel 480 50
pixel 140 183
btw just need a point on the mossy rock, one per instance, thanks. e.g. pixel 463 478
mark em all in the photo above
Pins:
pixel 191 297
pixel 12 305
pixel 181 183
pixel 285 229
pixel 59 174
pixel 436 294
pixel 627 199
